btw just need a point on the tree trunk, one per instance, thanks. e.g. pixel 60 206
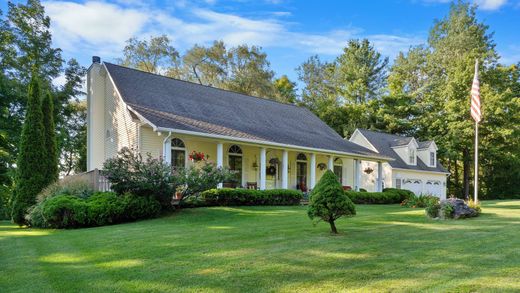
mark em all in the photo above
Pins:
pixel 467 172
pixel 333 227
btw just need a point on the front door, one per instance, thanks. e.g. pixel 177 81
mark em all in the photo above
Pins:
pixel 301 175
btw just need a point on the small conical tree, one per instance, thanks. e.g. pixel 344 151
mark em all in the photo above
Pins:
pixel 51 159
pixel 328 201
pixel 30 173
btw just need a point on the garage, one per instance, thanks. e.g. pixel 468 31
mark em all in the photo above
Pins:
pixel 414 185
pixel 433 187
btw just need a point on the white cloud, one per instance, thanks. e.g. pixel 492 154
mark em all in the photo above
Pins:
pixel 97 25
pixel 99 28
pixel 489 5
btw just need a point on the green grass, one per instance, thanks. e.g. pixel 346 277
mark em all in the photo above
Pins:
pixel 246 249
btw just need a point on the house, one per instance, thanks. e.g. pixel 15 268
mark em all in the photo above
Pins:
pixel 268 144
pixel 415 166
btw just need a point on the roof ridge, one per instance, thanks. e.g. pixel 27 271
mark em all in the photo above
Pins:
pixel 204 85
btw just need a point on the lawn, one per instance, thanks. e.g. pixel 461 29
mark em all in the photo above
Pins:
pixel 246 249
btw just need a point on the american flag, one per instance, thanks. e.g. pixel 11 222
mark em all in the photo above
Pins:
pixel 475 96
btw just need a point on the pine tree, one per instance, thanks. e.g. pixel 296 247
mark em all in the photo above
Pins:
pixel 328 201
pixel 30 177
pixel 51 159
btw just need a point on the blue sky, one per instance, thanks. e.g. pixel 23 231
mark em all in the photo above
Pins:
pixel 289 31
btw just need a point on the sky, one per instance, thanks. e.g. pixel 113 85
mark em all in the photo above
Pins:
pixel 289 31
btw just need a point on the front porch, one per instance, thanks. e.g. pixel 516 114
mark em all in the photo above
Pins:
pixel 258 166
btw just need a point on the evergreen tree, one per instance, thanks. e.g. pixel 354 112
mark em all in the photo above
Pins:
pixel 328 201
pixel 30 176
pixel 51 159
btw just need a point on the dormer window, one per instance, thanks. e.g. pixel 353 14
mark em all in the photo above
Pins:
pixel 411 159
pixel 432 159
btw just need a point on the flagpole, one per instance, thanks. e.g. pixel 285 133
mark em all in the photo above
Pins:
pixel 476 162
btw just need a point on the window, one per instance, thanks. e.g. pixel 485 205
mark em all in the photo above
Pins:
pixel 432 159
pixel 398 183
pixel 235 163
pixel 178 154
pixel 301 172
pixel 411 159
pixel 338 169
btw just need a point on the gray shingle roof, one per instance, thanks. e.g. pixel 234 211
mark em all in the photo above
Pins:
pixel 383 142
pixel 176 104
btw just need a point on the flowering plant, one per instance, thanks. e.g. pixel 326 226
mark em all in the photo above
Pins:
pixel 197 156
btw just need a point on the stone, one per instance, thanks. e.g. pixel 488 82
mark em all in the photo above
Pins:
pixel 460 208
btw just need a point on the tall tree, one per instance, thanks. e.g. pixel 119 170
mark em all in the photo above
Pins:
pixel 155 55
pixel 285 90
pixel 30 176
pixel 205 65
pixel 360 72
pixel 50 147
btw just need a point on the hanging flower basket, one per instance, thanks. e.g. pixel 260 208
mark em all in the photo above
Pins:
pixel 197 156
pixel 322 166
pixel 368 170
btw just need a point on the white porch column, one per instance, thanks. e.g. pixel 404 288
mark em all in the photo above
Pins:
pixel 263 164
pixel 313 171
pixel 379 177
pixel 285 169
pixel 357 174
pixel 167 149
pixel 220 158
pixel 330 164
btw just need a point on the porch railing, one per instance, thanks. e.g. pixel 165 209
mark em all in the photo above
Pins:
pixel 95 178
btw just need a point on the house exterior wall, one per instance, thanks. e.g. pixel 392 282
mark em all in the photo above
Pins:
pixel 152 143
pixel 109 124
pixel 424 155
pixel 427 180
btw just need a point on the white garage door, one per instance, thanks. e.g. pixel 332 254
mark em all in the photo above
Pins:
pixel 434 187
pixel 414 185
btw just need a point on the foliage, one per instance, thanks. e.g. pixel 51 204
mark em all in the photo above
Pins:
pixel 360 72
pixel 432 209
pixel 244 69
pixel 102 208
pixel 420 201
pixel 31 173
pixel 328 201
pixel 64 211
pixel 245 197
pixel 5 204
pixel 151 55
pixel 50 147
pixel 446 210
pixel 196 179
pixel 129 172
pixel 285 90
pixel 75 186
pixel 388 197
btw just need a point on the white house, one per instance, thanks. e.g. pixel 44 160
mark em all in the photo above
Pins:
pixel 269 144
pixel 414 165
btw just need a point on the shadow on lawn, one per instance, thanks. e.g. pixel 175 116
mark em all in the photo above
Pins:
pixel 277 249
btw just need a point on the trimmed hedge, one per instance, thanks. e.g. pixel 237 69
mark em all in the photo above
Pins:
pixel 102 208
pixel 388 196
pixel 248 197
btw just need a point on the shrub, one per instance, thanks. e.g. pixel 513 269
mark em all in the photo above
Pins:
pixel 432 209
pixel 102 208
pixel 64 211
pixel 130 173
pixel 196 179
pixel 373 197
pixel 362 190
pixel 446 210
pixel 328 201
pixel 403 193
pixel 239 197
pixel 139 207
pixel 420 201
pixel 72 185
